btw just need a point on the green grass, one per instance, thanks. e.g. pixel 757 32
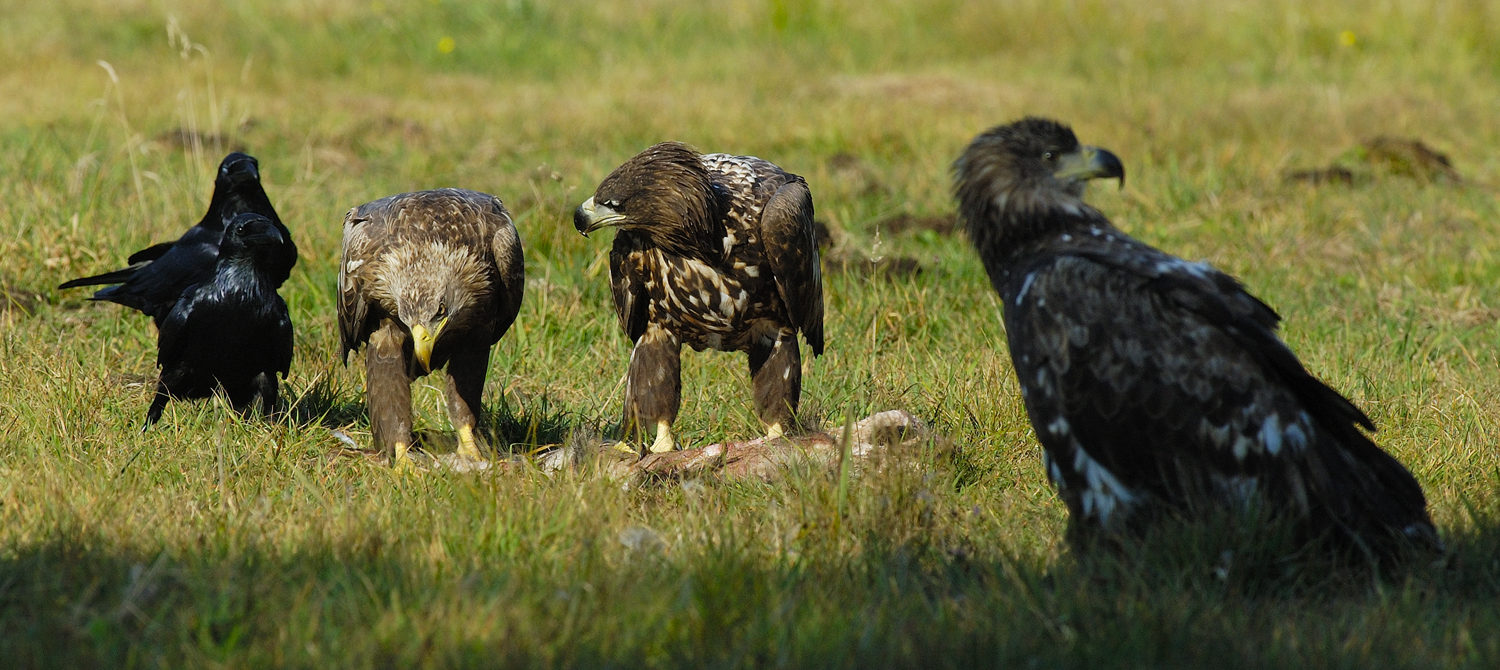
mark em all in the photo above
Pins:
pixel 215 542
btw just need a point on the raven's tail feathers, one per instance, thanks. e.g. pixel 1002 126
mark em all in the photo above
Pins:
pixel 115 277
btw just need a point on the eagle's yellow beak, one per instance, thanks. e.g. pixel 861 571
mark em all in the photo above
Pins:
pixel 1090 163
pixel 422 341
pixel 591 216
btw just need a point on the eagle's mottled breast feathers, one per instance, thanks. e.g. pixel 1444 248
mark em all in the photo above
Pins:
pixel 709 303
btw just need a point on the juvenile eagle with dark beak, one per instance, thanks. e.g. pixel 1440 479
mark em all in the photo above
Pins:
pixel 1156 384
pixel 716 252
pixel 428 279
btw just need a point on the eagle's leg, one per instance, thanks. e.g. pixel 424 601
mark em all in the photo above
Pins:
pixel 466 372
pixel 653 388
pixel 776 372
pixel 388 390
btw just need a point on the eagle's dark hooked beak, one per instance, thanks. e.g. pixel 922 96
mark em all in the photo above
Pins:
pixel 591 216
pixel 1091 163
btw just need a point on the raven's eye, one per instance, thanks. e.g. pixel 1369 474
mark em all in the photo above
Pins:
pixel 1046 155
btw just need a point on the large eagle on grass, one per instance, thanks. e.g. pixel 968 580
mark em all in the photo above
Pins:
pixel 159 274
pixel 427 279
pixel 716 252
pixel 1158 384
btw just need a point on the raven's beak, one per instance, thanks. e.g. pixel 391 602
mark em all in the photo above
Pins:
pixel 1090 163
pixel 591 216
pixel 243 171
pixel 422 341
pixel 267 235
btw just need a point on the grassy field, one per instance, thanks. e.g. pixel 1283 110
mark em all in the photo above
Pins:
pixel 216 542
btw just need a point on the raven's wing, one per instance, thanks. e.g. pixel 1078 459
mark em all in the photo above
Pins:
pixel 172 329
pixel 150 253
pixel 791 243
pixel 285 339
pixel 137 260
pixel 155 288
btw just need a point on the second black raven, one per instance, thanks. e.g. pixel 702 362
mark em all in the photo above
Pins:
pixel 158 274
pixel 232 331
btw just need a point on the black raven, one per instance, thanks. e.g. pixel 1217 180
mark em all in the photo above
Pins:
pixel 1155 383
pixel 158 274
pixel 232 331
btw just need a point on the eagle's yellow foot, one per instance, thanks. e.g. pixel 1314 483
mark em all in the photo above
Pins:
pixel 775 431
pixel 402 462
pixel 664 442
pixel 468 447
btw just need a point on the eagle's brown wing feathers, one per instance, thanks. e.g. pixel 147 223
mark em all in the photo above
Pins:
pixel 361 246
pixel 511 266
pixel 791 244
pixel 626 286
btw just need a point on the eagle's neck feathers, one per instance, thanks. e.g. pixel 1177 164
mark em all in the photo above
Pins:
pixel 1009 225
pixel 419 274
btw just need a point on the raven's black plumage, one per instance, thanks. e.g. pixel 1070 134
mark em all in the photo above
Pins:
pixel 232 331
pixel 1153 382
pixel 158 274
pixel 716 252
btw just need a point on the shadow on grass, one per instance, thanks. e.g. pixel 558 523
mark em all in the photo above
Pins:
pixel 511 429
pixel 1254 555
pixel 67 602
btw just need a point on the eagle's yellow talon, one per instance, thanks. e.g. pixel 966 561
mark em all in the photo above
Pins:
pixel 775 431
pixel 402 461
pixel 664 441
pixel 468 447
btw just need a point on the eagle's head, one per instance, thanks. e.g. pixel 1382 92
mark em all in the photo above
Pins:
pixel 434 286
pixel 664 193
pixel 1024 172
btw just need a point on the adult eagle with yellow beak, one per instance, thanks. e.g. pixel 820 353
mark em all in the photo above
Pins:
pixel 427 279
pixel 716 252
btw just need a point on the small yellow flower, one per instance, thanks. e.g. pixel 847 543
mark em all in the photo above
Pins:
pixel 1347 38
pixel 446 45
